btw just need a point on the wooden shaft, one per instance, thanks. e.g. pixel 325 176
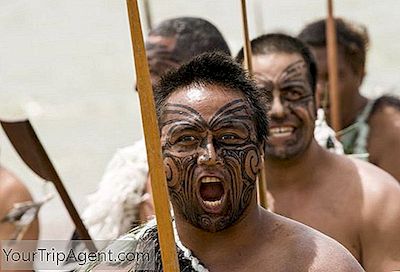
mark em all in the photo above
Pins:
pixel 153 145
pixel 80 227
pixel 247 47
pixel 262 188
pixel 333 69
pixel 147 10
pixel 69 205
pixel 262 182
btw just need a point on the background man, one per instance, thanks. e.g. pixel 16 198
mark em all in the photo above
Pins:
pixel 363 121
pixel 121 200
pixel 213 127
pixel 352 201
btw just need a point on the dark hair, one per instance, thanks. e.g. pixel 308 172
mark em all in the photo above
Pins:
pixel 282 43
pixel 384 101
pixel 194 36
pixel 352 39
pixel 215 69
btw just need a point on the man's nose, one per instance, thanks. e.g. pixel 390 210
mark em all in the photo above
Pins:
pixel 208 155
pixel 277 108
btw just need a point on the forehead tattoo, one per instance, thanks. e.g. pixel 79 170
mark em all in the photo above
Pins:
pixel 184 115
pixel 294 75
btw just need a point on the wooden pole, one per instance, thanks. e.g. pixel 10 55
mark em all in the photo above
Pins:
pixel 147 10
pixel 262 181
pixel 246 47
pixel 333 69
pixel 153 145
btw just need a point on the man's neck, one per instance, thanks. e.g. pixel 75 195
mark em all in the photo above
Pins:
pixel 285 174
pixel 350 113
pixel 211 247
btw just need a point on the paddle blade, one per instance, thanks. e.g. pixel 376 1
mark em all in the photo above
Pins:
pixel 26 143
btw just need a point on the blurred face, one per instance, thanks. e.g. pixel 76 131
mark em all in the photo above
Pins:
pixel 160 56
pixel 349 81
pixel 211 155
pixel 292 113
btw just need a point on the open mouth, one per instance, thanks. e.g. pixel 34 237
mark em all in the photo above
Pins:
pixel 281 132
pixel 212 194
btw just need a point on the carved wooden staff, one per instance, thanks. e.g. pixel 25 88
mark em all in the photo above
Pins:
pixel 153 145
pixel 32 152
pixel 262 181
pixel 332 69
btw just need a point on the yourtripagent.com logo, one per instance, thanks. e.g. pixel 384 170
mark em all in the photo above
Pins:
pixel 70 255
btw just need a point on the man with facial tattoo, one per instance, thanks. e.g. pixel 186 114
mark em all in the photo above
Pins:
pixel 349 200
pixel 213 126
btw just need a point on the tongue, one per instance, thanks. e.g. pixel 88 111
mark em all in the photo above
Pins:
pixel 211 191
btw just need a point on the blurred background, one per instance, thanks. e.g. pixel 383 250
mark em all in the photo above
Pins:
pixel 67 65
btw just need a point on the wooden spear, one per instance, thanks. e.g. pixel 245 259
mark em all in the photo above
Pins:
pixel 147 11
pixel 333 69
pixel 153 145
pixel 32 152
pixel 262 180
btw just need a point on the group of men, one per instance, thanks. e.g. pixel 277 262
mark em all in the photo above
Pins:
pixel 220 126
pixel 216 124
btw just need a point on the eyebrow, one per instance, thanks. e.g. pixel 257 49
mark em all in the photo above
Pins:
pixel 189 118
pixel 235 106
pixel 294 75
pixel 184 111
pixel 294 70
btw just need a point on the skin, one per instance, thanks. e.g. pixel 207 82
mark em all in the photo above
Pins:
pixel 12 191
pixel 383 148
pixel 198 137
pixel 351 201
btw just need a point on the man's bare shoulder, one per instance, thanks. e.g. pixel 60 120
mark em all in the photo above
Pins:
pixel 384 139
pixel 314 250
pixel 377 184
pixel 380 219
pixel 367 175
pixel 12 190
pixel 8 181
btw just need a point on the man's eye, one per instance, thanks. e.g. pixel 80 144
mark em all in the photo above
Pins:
pixel 186 139
pixel 293 95
pixel 229 138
